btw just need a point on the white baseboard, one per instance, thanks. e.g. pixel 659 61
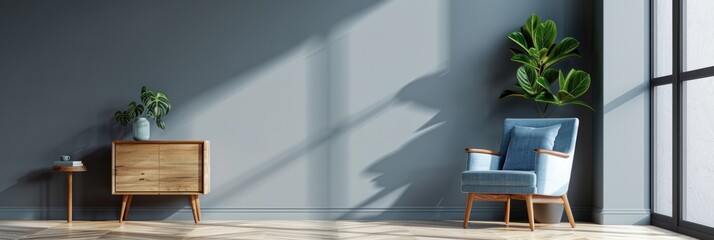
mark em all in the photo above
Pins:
pixel 142 213
pixel 611 216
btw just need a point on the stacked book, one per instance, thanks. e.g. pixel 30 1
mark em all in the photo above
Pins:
pixel 67 163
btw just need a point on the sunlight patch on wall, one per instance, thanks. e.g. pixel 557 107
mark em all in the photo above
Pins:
pixel 390 47
pixel 385 50
pixel 260 121
pixel 309 123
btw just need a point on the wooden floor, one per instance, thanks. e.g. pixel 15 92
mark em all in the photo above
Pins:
pixel 319 230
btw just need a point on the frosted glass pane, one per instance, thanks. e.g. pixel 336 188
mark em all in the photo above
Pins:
pixel 698 34
pixel 699 151
pixel 663 149
pixel 663 38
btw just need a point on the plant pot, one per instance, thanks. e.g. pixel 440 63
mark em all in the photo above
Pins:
pixel 547 212
pixel 142 129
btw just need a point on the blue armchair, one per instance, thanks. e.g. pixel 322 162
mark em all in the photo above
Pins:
pixel 534 164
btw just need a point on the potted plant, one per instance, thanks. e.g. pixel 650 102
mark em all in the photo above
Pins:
pixel 546 86
pixel 157 105
pixel 536 76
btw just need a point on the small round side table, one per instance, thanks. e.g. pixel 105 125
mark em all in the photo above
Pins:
pixel 69 170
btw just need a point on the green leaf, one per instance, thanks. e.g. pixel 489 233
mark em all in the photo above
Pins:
pixel 519 39
pixel 543 83
pixel 524 59
pixel 561 80
pixel 157 105
pixel 534 54
pixel 557 59
pixel 160 123
pixel 516 51
pixel 524 84
pixel 546 97
pixel 527 79
pixel 542 55
pixel 121 117
pixel 578 102
pixel 577 83
pixel 527 36
pixel 531 24
pixel 565 46
pixel 134 110
pixel 510 93
pixel 551 75
pixel 545 34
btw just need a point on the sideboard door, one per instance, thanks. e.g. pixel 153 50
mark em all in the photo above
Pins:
pixel 137 168
pixel 180 167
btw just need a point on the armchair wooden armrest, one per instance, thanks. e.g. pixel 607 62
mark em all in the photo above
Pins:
pixel 485 151
pixel 552 153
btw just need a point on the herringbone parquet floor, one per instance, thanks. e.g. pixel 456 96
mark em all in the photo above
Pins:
pixel 320 230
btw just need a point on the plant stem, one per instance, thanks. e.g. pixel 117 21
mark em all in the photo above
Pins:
pixel 545 111
pixel 551 112
pixel 539 111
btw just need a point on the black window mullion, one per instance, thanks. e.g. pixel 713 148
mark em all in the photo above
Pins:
pixel 677 113
pixel 697 74
pixel 662 80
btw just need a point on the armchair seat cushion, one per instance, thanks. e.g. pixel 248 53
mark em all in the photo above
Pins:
pixel 500 181
pixel 499 178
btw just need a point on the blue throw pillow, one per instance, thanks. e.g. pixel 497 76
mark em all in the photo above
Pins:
pixel 520 155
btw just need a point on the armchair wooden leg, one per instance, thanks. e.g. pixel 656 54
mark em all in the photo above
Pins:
pixel 508 210
pixel 529 206
pixel 568 212
pixel 467 214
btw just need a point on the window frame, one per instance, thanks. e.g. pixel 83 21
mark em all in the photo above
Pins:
pixel 676 222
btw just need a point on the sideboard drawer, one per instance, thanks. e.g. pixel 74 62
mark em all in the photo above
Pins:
pixel 137 168
pixel 180 167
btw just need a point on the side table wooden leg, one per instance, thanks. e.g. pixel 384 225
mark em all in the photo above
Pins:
pixel 128 206
pixel 198 208
pixel 69 197
pixel 124 199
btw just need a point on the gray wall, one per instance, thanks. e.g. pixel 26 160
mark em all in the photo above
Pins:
pixel 315 109
pixel 622 179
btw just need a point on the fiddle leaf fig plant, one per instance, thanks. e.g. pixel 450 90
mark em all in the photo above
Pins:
pixel 538 53
pixel 157 106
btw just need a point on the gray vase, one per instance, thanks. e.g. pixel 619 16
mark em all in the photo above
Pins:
pixel 142 129
pixel 548 212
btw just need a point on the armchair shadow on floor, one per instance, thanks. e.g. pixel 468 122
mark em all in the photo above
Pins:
pixel 534 165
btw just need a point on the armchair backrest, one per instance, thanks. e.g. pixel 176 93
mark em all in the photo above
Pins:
pixel 564 141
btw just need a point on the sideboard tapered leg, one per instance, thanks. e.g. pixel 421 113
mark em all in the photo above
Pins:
pixel 198 208
pixel 124 199
pixel 192 199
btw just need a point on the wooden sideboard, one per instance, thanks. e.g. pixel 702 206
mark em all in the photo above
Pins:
pixel 161 167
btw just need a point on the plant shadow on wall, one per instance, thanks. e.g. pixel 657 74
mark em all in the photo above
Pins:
pixel 424 173
pixel 210 43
